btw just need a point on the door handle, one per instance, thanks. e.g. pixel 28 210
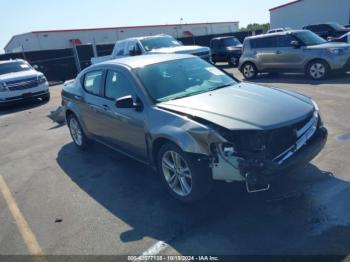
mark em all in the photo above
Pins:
pixel 93 107
pixel 77 97
pixel 105 107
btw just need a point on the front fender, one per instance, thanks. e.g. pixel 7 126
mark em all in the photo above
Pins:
pixel 190 136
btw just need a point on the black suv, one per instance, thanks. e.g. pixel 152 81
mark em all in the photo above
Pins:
pixel 327 30
pixel 226 49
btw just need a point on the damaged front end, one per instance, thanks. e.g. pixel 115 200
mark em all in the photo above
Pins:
pixel 257 156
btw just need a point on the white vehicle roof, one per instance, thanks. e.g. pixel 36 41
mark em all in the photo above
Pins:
pixel 11 61
pixel 144 37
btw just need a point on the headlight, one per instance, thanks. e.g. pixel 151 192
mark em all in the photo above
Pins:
pixel 42 79
pixel 336 51
pixel 3 87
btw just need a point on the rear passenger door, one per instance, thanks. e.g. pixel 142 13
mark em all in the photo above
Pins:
pixel 91 109
pixel 265 51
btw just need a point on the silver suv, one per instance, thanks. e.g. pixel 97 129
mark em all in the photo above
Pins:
pixel 293 51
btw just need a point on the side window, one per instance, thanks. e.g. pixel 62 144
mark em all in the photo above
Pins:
pixel 284 41
pixel 93 82
pixel 264 42
pixel 117 85
pixel 324 28
pixel 133 46
pixel 120 49
pixel 216 44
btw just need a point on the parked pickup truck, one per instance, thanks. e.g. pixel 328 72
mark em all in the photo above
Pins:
pixel 158 44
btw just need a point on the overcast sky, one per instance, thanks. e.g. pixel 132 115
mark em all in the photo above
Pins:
pixel 18 16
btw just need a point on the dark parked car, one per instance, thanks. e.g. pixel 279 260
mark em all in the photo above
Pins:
pixel 328 30
pixel 343 39
pixel 192 122
pixel 226 49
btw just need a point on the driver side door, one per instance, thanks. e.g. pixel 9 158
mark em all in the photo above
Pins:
pixel 125 126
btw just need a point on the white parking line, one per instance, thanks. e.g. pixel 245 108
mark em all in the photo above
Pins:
pixel 152 251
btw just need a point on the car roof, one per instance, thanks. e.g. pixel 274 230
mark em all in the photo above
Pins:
pixel 275 34
pixel 145 60
pixel 144 37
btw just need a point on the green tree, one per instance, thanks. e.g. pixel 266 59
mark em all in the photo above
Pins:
pixel 255 27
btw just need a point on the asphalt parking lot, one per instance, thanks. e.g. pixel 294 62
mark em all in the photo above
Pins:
pixel 102 203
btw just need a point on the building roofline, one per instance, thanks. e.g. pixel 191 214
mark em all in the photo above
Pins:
pixel 13 37
pixel 284 5
pixel 126 27
pixel 113 28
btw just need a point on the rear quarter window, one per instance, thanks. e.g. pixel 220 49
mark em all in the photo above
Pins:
pixel 93 82
pixel 265 42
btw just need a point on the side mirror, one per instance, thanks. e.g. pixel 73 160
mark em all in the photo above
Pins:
pixel 295 44
pixel 125 102
pixel 128 102
pixel 36 67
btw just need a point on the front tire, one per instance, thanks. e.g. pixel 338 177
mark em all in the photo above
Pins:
pixel 46 98
pixel 77 133
pixel 186 178
pixel 249 70
pixel 318 70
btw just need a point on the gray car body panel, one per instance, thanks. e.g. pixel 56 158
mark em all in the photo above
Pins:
pixel 188 122
pixel 292 59
pixel 244 106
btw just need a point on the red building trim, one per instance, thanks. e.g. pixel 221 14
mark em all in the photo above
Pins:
pixel 287 4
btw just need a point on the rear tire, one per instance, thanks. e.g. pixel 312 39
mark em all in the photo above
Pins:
pixel 318 70
pixel 77 133
pixel 186 179
pixel 249 70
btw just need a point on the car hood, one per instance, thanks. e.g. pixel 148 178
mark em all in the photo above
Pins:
pixel 19 75
pixel 330 45
pixel 244 106
pixel 192 49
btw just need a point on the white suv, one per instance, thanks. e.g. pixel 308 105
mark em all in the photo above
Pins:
pixel 20 81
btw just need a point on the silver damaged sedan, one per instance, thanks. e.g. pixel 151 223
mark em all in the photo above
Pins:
pixel 192 122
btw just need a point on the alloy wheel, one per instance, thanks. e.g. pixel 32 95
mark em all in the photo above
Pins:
pixel 76 132
pixel 248 71
pixel 177 173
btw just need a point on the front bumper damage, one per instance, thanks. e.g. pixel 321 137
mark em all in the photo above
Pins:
pixel 258 172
